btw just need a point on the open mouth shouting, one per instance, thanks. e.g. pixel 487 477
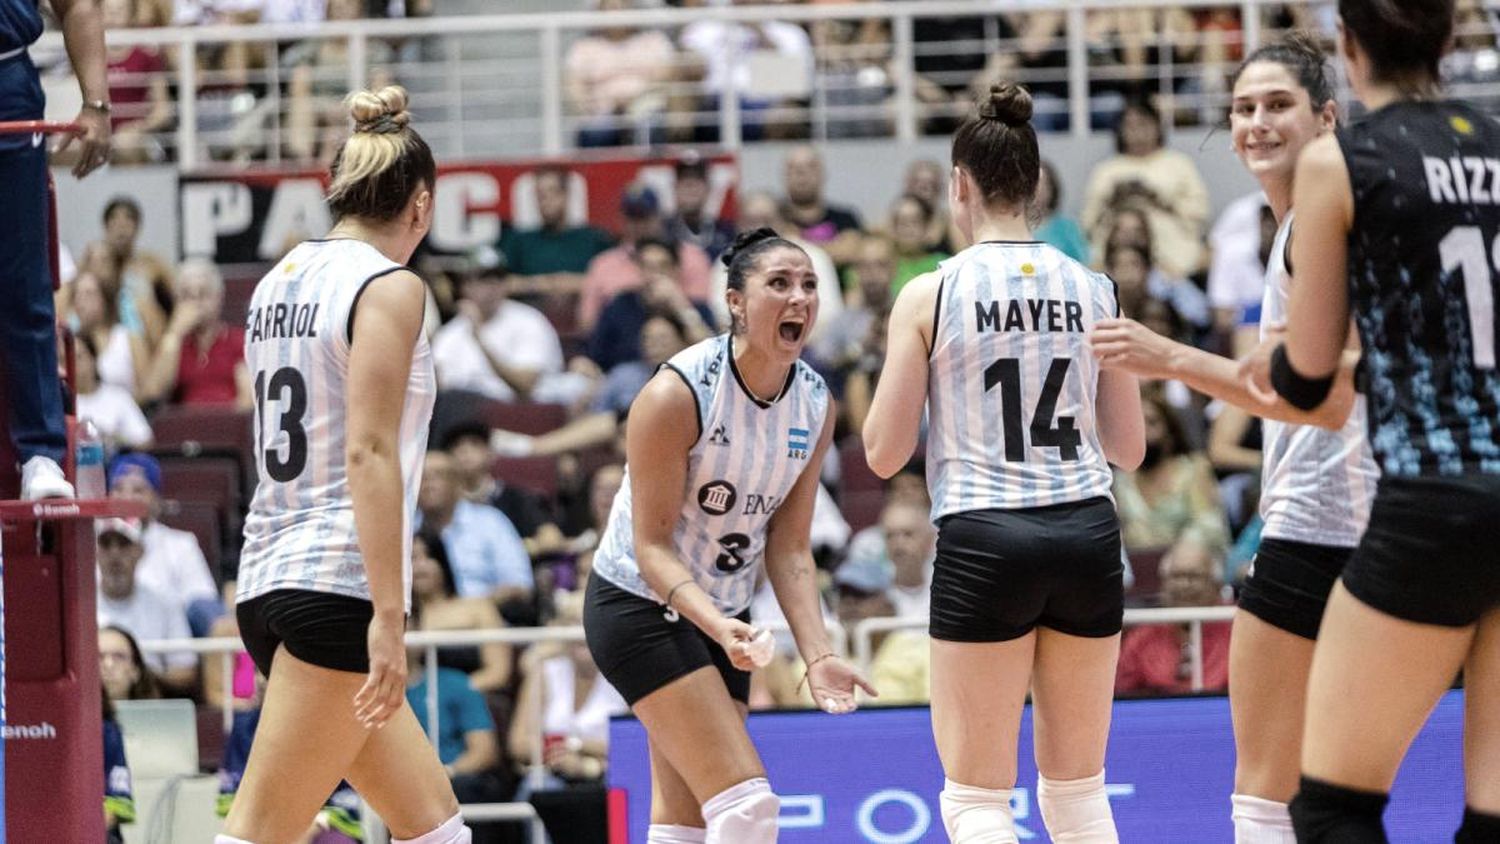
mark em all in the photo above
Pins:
pixel 791 330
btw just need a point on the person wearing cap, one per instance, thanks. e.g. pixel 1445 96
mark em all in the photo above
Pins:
pixel 616 271
pixel 496 346
pixel 146 612
pixel 172 562
pixel 556 255
pixel 692 221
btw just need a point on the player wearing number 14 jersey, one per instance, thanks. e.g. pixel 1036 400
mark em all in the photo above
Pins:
pixel 1027 587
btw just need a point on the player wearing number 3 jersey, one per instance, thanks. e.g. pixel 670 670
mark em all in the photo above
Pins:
pixel 1027 588
pixel 724 445
pixel 344 389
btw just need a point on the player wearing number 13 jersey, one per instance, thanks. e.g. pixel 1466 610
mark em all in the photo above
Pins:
pixel 344 389
pixel 299 533
pixel 1027 587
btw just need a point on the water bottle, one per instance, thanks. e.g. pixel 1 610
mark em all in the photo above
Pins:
pixel 89 461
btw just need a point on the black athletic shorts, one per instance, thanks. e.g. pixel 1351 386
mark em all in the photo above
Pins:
pixel 327 630
pixel 1001 573
pixel 1289 584
pixel 641 646
pixel 1432 551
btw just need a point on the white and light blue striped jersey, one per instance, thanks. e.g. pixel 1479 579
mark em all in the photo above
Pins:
pixel 299 533
pixel 744 463
pixel 1011 381
pixel 1317 485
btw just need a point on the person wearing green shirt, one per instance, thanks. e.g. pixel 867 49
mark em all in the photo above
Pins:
pixel 911 220
pixel 556 248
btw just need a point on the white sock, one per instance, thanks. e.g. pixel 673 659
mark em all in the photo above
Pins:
pixel 742 814
pixel 1261 821
pixel 225 839
pixel 974 815
pixel 1077 811
pixel 452 831
pixel 665 833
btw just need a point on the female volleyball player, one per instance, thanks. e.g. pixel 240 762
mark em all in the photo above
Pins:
pixel 1317 484
pixel 343 391
pixel 1397 223
pixel 1027 590
pixel 722 455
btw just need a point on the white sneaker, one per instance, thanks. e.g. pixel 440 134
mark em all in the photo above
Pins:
pixel 41 477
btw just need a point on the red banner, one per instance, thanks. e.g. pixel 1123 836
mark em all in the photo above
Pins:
pixel 256 215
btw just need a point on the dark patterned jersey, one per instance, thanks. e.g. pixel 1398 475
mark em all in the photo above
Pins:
pixel 1423 253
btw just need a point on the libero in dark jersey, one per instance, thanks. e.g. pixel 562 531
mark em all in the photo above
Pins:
pixel 1421 265
pixel 1397 225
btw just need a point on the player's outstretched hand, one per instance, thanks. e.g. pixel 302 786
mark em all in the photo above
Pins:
pixel 735 636
pixel 1126 344
pixel 832 681
pixel 385 687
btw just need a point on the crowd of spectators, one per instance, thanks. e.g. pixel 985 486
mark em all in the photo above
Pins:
pixel 546 336
pixel 625 85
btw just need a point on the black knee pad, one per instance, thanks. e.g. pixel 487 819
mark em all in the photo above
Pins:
pixel 1324 813
pixel 1478 828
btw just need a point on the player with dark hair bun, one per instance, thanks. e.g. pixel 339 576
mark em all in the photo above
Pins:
pixel 723 449
pixel 1027 587
pixel 1398 226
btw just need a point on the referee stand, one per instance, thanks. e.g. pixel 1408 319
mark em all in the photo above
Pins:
pixel 52 767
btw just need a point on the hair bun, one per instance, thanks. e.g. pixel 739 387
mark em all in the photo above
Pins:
pixel 1007 103
pixel 380 112
pixel 745 240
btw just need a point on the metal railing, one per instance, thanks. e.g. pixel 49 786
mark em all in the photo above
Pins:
pixel 499 85
pixel 432 641
pixel 228 647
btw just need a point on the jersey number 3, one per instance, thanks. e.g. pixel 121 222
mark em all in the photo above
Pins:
pixel 1064 437
pixel 286 385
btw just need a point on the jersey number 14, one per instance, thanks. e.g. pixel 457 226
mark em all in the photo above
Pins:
pixel 1063 436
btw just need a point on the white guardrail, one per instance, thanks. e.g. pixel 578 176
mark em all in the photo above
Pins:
pixel 431 641
pixel 499 85
pixel 228 647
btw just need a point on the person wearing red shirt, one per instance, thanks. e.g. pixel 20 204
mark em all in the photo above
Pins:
pixel 201 358
pixel 139 100
pixel 1157 658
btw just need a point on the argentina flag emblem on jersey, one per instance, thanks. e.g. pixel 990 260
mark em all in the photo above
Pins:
pixel 798 443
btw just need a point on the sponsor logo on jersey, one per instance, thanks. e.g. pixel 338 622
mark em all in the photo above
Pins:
pixel 717 497
pixel 718 437
pixel 797 443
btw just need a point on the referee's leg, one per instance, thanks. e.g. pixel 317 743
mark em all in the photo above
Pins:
pixel 28 341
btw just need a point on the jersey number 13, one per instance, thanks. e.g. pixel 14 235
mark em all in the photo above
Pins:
pixel 288 391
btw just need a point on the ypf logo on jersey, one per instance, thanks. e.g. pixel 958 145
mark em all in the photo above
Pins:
pixel 717 497
pixel 797 443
